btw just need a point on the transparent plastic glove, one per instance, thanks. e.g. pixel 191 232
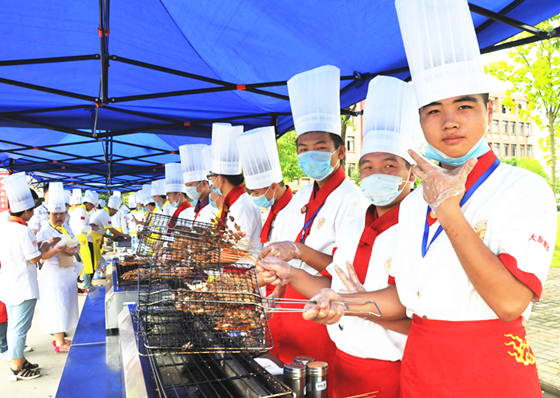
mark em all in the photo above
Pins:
pixel 351 282
pixel 286 251
pixel 325 311
pixel 440 184
pixel 277 267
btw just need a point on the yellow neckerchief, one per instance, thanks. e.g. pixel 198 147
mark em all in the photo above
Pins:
pixel 60 229
pixel 107 210
pixel 165 204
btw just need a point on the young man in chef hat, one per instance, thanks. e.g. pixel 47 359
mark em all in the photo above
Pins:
pixel 195 163
pixel 175 189
pixel 475 240
pixel 19 253
pixel 227 181
pixel 365 246
pixel 79 223
pixel 317 212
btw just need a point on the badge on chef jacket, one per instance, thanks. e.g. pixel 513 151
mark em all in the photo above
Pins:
pixel 320 222
pixel 388 265
pixel 480 229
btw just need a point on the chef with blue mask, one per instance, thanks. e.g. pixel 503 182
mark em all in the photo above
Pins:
pixel 318 210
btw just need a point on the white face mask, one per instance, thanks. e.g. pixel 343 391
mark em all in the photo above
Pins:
pixel 192 192
pixel 382 189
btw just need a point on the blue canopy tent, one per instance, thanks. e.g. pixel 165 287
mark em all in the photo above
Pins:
pixel 104 93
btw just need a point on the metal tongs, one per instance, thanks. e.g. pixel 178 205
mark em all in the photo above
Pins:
pixel 273 301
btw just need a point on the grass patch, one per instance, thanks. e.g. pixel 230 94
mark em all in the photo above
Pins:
pixel 556 255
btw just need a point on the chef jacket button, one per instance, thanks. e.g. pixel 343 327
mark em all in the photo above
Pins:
pixel 341 326
pixel 424 316
pixel 432 214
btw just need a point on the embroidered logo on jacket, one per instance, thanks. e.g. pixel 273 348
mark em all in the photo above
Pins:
pixel 320 222
pixel 480 229
pixel 521 350
pixel 388 265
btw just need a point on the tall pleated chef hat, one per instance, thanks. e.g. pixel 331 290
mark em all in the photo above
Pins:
pixel 67 196
pixel 193 163
pixel 158 187
pixel 391 122
pixel 132 200
pixel 56 198
pixel 259 157
pixel 441 48
pixel 101 203
pixel 76 198
pixel 315 100
pixel 117 194
pixel 19 193
pixel 147 194
pixel 90 197
pixel 174 178
pixel 207 155
pixel 225 154
pixel 114 202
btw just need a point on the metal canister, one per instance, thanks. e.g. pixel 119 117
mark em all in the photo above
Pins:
pixel 317 375
pixel 295 378
pixel 303 359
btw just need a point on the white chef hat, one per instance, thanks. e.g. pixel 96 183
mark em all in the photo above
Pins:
pixel 132 200
pixel 158 187
pixel 19 193
pixel 67 195
pixel 441 48
pixel 117 194
pixel 101 203
pixel 114 202
pixel 56 198
pixel 207 155
pixel 225 154
pixel 174 178
pixel 147 193
pixel 391 122
pixel 259 157
pixel 315 100
pixel 90 197
pixel 193 162
pixel 76 198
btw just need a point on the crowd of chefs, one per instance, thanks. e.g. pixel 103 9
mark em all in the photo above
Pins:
pixel 416 292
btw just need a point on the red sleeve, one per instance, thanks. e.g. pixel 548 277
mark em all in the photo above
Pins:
pixel 527 278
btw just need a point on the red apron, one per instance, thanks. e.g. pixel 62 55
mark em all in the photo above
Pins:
pixel 367 378
pixel 468 359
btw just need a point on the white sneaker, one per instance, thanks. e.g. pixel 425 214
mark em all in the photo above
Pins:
pixel 5 356
pixel 27 349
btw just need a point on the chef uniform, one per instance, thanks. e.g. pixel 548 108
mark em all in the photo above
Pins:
pixel 237 203
pixel 457 345
pixel 314 215
pixel 174 183
pixel 79 224
pixel 75 200
pixel 58 302
pixel 123 212
pixel 158 189
pixel 365 348
pixel 195 163
pixel 19 288
pixel 103 220
pixel 261 168
pixel 132 203
pixel 39 219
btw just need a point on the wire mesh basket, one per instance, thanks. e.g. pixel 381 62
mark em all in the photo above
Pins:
pixel 172 240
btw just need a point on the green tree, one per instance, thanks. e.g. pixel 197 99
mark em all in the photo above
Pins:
pixel 527 164
pixel 535 72
pixel 287 153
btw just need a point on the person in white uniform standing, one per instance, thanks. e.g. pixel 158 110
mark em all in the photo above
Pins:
pixel 58 302
pixel 40 217
pixel 474 241
pixel 227 181
pixel 365 246
pixel 195 161
pixel 19 290
pixel 176 189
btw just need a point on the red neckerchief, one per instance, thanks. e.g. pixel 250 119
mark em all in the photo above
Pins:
pixel 374 226
pixel 317 201
pixel 180 208
pixel 483 164
pixel 18 220
pixel 229 200
pixel 274 210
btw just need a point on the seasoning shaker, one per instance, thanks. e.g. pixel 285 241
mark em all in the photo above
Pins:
pixel 317 375
pixel 303 359
pixel 295 378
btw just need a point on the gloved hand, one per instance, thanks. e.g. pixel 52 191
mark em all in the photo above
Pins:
pixel 324 311
pixel 275 271
pixel 438 183
pixel 352 283
pixel 286 251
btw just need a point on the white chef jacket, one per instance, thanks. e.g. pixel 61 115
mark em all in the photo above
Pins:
pixel 5 216
pixel 40 218
pixel 79 221
pixel 132 226
pixel 248 216
pixel 513 211
pixel 116 219
pixel 168 209
pixel 102 219
pixel 354 335
pixel 343 204
pixel 207 214
pixel 58 305
pixel 18 279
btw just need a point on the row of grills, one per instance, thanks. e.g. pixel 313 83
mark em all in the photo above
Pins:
pixel 199 321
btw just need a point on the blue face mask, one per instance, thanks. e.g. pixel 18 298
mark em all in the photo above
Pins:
pixel 262 201
pixel 316 164
pixel 159 206
pixel 381 189
pixel 477 151
pixel 212 203
pixel 217 191
pixel 193 193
